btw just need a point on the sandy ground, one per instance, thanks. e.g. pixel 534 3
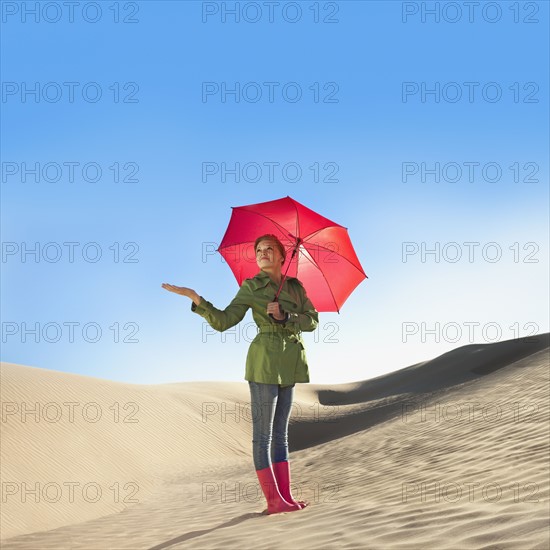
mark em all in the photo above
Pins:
pixel 452 453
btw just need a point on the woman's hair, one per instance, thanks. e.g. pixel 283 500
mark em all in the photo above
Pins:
pixel 270 237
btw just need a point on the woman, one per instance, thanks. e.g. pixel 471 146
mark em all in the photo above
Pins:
pixel 276 360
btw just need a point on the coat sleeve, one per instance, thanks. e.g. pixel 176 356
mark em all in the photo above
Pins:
pixel 308 319
pixel 223 319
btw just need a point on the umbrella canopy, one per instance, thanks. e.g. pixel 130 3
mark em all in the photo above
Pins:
pixel 318 251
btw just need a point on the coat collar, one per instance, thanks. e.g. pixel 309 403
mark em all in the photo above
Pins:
pixel 262 280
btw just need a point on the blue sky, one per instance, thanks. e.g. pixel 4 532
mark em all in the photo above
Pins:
pixel 153 124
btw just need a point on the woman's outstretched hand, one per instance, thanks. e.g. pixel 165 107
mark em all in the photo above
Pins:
pixel 184 291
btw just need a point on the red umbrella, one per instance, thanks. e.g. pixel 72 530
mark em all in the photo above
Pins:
pixel 319 251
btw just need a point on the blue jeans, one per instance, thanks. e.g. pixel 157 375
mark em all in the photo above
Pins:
pixel 271 405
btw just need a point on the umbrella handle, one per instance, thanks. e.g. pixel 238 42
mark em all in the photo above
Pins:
pixel 276 299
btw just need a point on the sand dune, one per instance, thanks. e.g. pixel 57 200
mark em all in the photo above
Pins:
pixel 449 453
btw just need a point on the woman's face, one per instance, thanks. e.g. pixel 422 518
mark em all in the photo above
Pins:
pixel 268 255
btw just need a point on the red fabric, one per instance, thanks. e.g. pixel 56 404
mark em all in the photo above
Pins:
pixel 326 263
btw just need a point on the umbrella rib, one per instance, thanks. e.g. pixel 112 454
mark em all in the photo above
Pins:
pixel 360 268
pixel 323 228
pixel 279 227
pixel 297 220
pixel 312 261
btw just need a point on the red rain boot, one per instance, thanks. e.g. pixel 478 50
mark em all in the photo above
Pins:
pixel 282 474
pixel 275 502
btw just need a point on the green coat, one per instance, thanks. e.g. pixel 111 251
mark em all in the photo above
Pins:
pixel 277 354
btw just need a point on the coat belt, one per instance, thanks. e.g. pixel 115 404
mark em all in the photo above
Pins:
pixel 277 329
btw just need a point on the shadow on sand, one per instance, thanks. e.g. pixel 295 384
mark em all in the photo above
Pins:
pixel 200 533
